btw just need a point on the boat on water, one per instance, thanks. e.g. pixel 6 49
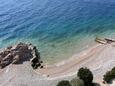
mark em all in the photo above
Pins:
pixel 101 41
pixel 104 41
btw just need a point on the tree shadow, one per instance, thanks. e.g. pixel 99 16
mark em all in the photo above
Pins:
pixel 96 84
pixel 111 82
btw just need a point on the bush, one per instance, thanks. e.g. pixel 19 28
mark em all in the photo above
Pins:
pixel 109 76
pixel 34 66
pixel 64 83
pixel 35 63
pixel 86 75
pixel 77 82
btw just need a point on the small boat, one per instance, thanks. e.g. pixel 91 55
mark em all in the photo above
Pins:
pixel 100 41
pixel 104 41
pixel 109 40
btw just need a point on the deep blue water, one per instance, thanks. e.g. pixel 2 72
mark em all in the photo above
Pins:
pixel 59 28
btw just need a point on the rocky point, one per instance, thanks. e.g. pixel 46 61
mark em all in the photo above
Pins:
pixel 19 53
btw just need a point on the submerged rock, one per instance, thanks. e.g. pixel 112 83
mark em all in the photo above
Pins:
pixel 18 54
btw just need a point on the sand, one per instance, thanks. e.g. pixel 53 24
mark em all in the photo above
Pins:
pixel 99 58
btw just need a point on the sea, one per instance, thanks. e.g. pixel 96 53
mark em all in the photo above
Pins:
pixel 58 28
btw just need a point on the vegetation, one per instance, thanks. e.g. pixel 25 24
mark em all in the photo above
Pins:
pixel 64 83
pixel 109 76
pixel 86 75
pixel 77 82
pixel 34 65
pixel 86 78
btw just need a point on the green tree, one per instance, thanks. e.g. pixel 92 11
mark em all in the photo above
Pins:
pixel 64 83
pixel 77 82
pixel 109 76
pixel 86 75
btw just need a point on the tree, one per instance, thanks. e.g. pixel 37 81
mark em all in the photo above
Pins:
pixel 64 83
pixel 109 76
pixel 77 82
pixel 86 75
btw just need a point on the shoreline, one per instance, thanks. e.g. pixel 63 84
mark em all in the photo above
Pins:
pixel 62 66
pixel 99 59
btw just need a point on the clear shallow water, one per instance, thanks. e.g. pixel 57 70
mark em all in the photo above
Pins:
pixel 59 28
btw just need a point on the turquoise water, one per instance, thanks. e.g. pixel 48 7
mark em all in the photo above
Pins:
pixel 59 28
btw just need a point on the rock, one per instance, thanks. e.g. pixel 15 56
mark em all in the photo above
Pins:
pixel 9 47
pixel 9 58
pixel 18 54
pixel 16 59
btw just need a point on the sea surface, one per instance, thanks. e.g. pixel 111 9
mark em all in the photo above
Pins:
pixel 59 28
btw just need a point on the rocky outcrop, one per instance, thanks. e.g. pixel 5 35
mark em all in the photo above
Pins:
pixel 18 54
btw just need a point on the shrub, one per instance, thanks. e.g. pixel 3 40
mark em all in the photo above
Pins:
pixel 35 63
pixel 64 83
pixel 77 82
pixel 109 76
pixel 86 75
pixel 34 66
